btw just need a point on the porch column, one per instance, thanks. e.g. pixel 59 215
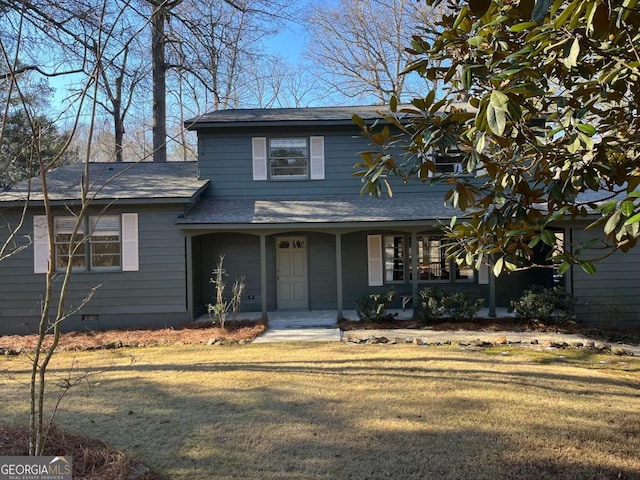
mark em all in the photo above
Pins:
pixel 492 291
pixel 189 259
pixel 339 305
pixel 414 269
pixel 263 274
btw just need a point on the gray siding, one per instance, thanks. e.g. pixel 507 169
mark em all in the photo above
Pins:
pixel 322 271
pixel 225 158
pixel 241 258
pixel 611 297
pixel 153 296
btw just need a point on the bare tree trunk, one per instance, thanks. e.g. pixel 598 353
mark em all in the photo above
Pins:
pixel 159 72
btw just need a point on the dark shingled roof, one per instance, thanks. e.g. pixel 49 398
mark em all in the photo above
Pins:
pixel 318 211
pixel 115 181
pixel 286 116
pixel 316 116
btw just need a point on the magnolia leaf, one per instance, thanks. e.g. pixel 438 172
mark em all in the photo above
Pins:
pixel 626 208
pixel 571 58
pixel 496 112
pixel 480 143
pixel 573 147
pixel 393 103
pixel 634 219
pixel 588 267
pixel 601 20
pixel 498 266
pixel 522 26
pixel 499 100
pixel 479 7
pixel 586 129
pixel 612 223
pixel 548 237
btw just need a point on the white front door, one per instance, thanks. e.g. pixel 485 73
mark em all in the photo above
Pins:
pixel 291 273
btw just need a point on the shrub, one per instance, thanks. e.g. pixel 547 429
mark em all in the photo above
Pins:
pixel 435 304
pixel 373 307
pixel 220 309
pixel 545 305
pixel 429 306
pixel 462 305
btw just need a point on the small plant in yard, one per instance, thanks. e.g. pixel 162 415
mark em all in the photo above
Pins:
pixel 221 308
pixel 429 306
pixel 462 305
pixel 611 311
pixel 373 307
pixel 545 305
pixel 435 304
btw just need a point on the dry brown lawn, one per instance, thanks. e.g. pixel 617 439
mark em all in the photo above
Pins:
pixel 336 411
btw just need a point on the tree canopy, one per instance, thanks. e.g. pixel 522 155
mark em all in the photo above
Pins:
pixel 550 126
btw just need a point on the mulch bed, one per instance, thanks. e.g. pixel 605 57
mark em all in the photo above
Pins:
pixel 509 324
pixel 92 459
pixel 193 333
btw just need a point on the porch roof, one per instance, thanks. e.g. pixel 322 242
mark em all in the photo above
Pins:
pixel 317 211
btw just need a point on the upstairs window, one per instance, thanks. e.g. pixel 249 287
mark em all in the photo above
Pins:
pixel 288 158
pixel 449 161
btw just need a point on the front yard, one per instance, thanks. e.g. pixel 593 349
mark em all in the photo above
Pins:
pixel 336 411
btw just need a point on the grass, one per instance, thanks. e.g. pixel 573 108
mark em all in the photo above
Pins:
pixel 336 411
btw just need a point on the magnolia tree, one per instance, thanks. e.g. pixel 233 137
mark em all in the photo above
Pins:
pixel 549 124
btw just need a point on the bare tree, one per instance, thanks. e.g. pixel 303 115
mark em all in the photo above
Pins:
pixel 67 30
pixel 277 82
pixel 119 77
pixel 359 46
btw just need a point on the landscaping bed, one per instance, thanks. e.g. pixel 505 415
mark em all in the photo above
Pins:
pixel 240 331
pixel 92 459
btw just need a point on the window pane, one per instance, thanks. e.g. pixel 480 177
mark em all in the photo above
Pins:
pixel 394 258
pixel 464 273
pixel 288 157
pixel 449 161
pixel 105 242
pixel 432 259
pixel 63 228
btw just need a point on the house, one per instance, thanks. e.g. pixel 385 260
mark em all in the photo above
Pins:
pixel 273 192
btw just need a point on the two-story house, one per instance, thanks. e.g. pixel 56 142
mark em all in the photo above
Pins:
pixel 273 192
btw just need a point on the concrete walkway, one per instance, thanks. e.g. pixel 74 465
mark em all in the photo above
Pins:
pixel 308 326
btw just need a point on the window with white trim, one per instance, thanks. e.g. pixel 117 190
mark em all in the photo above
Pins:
pixel 63 228
pixel 288 158
pixel 101 243
pixel 449 161
pixel 105 242
pixel 432 262
pixel 395 255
